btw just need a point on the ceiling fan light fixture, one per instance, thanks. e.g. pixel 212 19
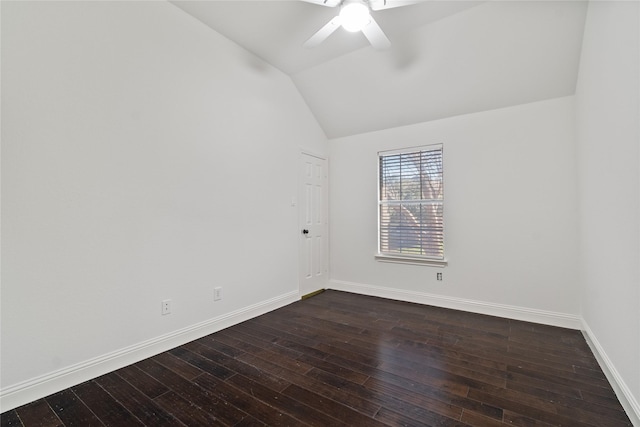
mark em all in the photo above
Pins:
pixel 354 16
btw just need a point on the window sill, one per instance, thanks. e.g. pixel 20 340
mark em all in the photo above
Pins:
pixel 411 260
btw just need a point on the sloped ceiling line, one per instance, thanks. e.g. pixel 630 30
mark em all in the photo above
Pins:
pixel 447 57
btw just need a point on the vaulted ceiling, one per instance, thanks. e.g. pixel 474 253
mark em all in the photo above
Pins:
pixel 446 58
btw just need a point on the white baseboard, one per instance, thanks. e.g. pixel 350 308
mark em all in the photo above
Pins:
pixel 39 387
pixel 36 388
pixel 500 310
pixel 624 394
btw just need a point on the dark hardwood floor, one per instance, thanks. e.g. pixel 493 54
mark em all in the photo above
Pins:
pixel 340 359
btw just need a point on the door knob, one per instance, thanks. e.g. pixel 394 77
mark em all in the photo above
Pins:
pixel 305 231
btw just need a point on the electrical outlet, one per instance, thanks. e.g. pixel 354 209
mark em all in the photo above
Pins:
pixel 439 276
pixel 217 294
pixel 166 307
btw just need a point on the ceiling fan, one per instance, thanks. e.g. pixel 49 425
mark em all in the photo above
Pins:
pixel 355 16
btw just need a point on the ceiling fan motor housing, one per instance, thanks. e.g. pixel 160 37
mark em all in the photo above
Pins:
pixel 354 15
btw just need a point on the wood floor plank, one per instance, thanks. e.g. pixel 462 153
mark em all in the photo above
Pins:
pixel 72 411
pixel 10 419
pixel 458 358
pixel 430 408
pixel 263 335
pixel 401 418
pixel 222 413
pixel 239 341
pixel 347 351
pixel 345 359
pixel 178 365
pixel 536 355
pixel 432 398
pixel 136 402
pixel 151 387
pixel 187 413
pixel 320 387
pixel 587 384
pixel 350 364
pixel 104 406
pixel 520 420
pixel 201 362
pixel 435 366
pixel 233 367
pixel 286 404
pixel 325 405
pixel 609 410
pixel 611 400
pixel 213 342
pixel 249 421
pixel 311 362
pixel 519 407
pixel 406 398
pixel 211 360
pixel 516 396
pixel 245 401
pixel 38 413
pixel 475 419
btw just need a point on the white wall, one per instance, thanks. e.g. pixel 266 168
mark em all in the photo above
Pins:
pixel 144 157
pixel 608 121
pixel 510 209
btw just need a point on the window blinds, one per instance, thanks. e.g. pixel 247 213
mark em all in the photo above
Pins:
pixel 411 203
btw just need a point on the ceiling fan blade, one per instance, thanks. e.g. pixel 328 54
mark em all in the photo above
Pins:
pixel 388 4
pixel 323 33
pixel 329 3
pixel 376 36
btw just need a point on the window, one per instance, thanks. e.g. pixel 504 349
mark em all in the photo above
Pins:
pixel 411 203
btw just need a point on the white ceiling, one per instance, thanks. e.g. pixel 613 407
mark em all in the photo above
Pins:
pixel 447 57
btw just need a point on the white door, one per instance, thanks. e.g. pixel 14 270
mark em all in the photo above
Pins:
pixel 314 225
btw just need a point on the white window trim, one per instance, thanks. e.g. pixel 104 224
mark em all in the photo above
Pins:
pixel 411 260
pixel 407 259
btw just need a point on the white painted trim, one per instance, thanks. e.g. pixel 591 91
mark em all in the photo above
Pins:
pixel 624 394
pixel 39 387
pixel 411 260
pixel 313 154
pixel 482 307
pixel 36 388
pixel 429 147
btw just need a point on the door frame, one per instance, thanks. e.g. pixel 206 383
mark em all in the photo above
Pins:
pixel 325 196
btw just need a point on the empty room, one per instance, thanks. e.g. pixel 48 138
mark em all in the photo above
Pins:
pixel 327 213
